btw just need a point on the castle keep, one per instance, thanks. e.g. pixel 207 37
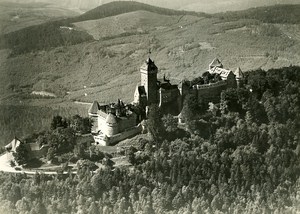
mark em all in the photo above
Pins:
pixel 117 121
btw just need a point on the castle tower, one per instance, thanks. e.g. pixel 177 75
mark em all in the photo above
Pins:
pixel 111 125
pixel 149 80
pixel 239 76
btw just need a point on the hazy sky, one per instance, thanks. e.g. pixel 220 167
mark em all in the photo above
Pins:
pixel 209 6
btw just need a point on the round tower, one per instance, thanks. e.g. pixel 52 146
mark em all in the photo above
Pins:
pixel 112 127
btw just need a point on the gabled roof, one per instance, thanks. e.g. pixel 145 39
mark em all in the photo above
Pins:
pixel 216 63
pixel 94 108
pixel 13 145
pixel 238 73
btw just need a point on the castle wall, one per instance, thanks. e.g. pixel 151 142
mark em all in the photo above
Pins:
pixel 118 137
pixel 127 123
pixel 102 125
pixel 166 96
pixel 210 92
pixel 111 130
pixel 170 101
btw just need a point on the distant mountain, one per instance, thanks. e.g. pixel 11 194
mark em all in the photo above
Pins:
pixel 208 6
pixel 120 7
pixel 62 32
pixel 272 14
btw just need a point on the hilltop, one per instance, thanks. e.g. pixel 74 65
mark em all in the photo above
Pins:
pixel 120 7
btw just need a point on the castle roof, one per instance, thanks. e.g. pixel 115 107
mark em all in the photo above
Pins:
pixel 216 63
pixel 221 71
pixel 238 73
pixel 149 65
pixel 111 119
pixel 94 108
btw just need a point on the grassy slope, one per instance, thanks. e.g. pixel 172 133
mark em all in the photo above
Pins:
pixel 14 16
pixel 128 23
pixel 109 68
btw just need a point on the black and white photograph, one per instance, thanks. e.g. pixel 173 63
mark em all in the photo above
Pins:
pixel 149 107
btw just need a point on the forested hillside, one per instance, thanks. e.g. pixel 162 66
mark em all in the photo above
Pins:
pixel 42 37
pixel 120 7
pixel 272 14
pixel 62 32
pixel 241 156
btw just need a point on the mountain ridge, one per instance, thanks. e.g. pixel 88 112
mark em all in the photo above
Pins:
pixel 208 6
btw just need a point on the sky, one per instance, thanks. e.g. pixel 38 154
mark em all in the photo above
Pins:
pixel 208 6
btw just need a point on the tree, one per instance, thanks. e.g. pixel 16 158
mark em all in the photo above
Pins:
pixel 155 125
pixel 93 209
pixel 22 206
pixel 58 122
pixel 170 123
pixel 21 155
pixel 131 155
pixel 80 124
pixel 190 108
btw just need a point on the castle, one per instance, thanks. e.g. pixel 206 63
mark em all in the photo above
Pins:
pixel 117 121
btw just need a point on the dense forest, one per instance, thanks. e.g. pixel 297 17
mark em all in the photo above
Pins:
pixel 239 156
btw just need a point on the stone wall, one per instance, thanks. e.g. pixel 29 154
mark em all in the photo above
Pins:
pixel 210 92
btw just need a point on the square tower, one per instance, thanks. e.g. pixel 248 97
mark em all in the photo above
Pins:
pixel 149 80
